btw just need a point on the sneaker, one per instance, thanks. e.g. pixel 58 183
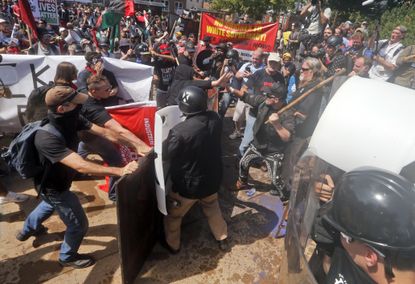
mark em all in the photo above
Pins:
pixel 235 135
pixel 240 185
pixel 165 245
pixel 224 245
pixel 13 197
pixel 78 261
pixel 23 237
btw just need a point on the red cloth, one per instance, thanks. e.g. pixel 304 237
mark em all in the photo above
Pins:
pixel 27 17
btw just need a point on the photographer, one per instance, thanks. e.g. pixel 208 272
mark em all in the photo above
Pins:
pixel 384 60
pixel 316 20
pixel 230 64
pixel 334 59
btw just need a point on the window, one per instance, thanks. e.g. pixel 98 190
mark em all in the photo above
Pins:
pixel 178 7
pixel 166 5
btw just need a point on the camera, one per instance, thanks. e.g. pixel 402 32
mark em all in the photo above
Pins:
pixel 248 69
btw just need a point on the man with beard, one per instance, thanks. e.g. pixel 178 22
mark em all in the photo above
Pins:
pixel 57 144
pixel 45 45
pixel 306 114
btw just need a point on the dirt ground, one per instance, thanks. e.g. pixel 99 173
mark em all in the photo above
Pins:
pixel 252 221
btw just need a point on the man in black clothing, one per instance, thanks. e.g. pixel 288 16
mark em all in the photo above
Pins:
pixel 184 74
pixel 57 145
pixel 94 110
pixel 164 67
pixel 95 66
pixel 270 139
pixel 193 149
pixel 363 245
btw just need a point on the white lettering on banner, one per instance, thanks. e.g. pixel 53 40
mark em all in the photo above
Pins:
pixel 147 126
pixel 24 73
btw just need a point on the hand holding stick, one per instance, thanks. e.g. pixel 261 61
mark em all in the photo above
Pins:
pixel 306 94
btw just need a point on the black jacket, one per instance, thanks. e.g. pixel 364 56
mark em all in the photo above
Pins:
pixel 193 148
pixel 183 77
pixel 266 139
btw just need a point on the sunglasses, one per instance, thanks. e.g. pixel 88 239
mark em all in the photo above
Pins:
pixel 305 69
pixel 269 96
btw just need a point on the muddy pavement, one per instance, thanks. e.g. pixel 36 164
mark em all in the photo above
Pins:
pixel 254 256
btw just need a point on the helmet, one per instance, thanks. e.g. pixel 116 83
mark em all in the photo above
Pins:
pixel 376 207
pixel 234 54
pixel 192 100
pixel 142 49
pixel 222 47
pixel 334 41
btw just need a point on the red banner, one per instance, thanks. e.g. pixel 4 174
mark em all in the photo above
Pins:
pixel 243 36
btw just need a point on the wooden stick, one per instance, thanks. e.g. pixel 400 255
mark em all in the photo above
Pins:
pixel 172 30
pixel 306 94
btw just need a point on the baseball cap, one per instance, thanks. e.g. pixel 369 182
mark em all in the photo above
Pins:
pixel 59 95
pixel 286 56
pixel 273 56
pixel 190 47
pixel 274 90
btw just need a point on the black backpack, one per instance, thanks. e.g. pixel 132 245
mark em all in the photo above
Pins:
pixel 36 108
pixel 22 154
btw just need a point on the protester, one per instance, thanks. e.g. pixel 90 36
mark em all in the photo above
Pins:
pixel 99 90
pixel 241 109
pixel 61 163
pixel 270 138
pixel 193 148
pixel 404 74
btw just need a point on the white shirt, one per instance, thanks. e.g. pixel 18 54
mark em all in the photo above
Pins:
pixel 388 52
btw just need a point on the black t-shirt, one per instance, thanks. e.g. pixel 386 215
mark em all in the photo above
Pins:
pixel 165 71
pixel 261 79
pixel 54 149
pixel 267 139
pixel 94 110
pixel 344 270
pixel 85 74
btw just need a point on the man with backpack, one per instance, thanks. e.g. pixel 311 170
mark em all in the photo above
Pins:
pixel 56 143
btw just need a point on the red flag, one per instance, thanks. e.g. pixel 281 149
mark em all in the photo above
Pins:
pixel 129 8
pixel 27 17
pixel 139 119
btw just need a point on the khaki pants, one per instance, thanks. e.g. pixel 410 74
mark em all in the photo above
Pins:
pixel 178 209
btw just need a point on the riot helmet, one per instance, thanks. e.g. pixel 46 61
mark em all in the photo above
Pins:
pixel 334 41
pixel 192 100
pixel 376 207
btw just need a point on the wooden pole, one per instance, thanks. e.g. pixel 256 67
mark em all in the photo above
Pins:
pixel 306 94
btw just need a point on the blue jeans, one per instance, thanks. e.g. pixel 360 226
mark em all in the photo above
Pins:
pixel 224 103
pixel 71 213
pixel 248 134
pixel 92 143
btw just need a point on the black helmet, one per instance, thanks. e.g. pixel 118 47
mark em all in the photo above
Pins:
pixel 142 49
pixel 334 41
pixel 234 54
pixel 376 207
pixel 192 100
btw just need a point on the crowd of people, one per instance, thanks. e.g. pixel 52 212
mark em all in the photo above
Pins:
pixel 312 50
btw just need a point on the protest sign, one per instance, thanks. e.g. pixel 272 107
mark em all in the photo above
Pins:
pixel 245 37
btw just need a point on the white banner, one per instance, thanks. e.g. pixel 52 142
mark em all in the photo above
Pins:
pixel 24 73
